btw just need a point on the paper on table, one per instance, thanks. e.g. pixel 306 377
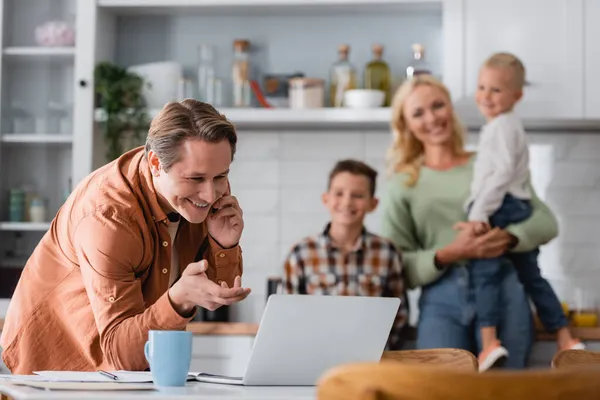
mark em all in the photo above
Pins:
pixel 22 378
pixel 77 376
pixel 53 385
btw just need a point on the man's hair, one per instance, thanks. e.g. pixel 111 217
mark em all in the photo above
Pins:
pixel 511 62
pixel 354 167
pixel 185 120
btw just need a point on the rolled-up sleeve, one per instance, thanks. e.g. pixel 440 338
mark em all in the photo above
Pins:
pixel 109 252
pixel 223 264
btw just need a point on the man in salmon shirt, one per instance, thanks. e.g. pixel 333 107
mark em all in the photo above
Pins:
pixel 136 247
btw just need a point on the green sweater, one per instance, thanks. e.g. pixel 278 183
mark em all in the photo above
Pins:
pixel 419 219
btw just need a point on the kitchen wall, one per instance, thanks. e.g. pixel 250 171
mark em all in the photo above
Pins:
pixel 275 47
pixel 279 177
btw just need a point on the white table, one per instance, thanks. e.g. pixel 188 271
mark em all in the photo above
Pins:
pixel 193 390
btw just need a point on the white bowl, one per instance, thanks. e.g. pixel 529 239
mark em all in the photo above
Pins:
pixel 163 78
pixel 364 98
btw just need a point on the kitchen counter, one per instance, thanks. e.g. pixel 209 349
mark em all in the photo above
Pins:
pixel 249 329
pixel 222 328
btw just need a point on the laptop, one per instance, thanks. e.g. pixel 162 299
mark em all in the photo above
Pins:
pixel 302 336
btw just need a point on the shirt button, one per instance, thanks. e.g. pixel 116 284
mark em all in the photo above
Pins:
pixel 111 299
pixel 222 255
pixel 165 243
pixel 164 271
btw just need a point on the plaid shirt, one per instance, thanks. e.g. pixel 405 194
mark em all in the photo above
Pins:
pixel 373 268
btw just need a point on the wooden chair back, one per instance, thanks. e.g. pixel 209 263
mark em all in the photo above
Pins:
pixel 576 359
pixel 397 381
pixel 457 359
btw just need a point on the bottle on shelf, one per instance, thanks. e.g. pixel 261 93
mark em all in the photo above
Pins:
pixel 377 74
pixel 206 70
pixel 241 73
pixel 343 77
pixel 418 64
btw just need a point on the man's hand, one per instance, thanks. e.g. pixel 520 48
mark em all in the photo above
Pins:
pixel 225 223
pixel 477 227
pixel 194 288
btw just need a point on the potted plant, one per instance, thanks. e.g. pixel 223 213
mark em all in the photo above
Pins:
pixel 124 120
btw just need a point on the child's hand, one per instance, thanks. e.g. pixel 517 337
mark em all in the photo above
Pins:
pixel 477 227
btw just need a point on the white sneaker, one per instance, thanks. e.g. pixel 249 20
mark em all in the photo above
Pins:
pixel 495 357
pixel 578 346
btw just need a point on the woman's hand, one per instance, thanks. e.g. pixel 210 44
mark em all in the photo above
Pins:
pixel 468 245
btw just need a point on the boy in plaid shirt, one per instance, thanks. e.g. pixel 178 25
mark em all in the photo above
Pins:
pixel 345 259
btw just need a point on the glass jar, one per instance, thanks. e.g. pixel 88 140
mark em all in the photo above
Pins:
pixel 418 64
pixel 343 77
pixel 37 210
pixel 16 208
pixel 206 71
pixel 241 73
pixel 306 93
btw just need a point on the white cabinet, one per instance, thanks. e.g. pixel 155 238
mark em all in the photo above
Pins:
pixel 221 354
pixel 42 153
pixel 592 59
pixel 547 35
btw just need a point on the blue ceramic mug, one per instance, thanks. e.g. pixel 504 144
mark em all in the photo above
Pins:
pixel 169 354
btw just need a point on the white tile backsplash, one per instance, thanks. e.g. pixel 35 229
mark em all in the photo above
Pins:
pixel 258 146
pixel 303 201
pixel 318 145
pixel 259 201
pixel 377 143
pixel 312 174
pixel 260 230
pixel 279 178
pixel 295 227
pixel 254 174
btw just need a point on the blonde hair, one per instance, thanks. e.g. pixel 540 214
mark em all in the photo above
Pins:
pixel 510 62
pixel 406 152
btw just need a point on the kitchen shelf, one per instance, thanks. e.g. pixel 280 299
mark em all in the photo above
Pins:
pixel 285 117
pixel 178 7
pixel 39 51
pixel 25 226
pixel 36 138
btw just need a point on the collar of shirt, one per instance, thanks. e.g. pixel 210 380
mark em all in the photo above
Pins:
pixel 149 192
pixel 326 241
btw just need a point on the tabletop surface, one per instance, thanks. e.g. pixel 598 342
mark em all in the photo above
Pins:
pixel 193 390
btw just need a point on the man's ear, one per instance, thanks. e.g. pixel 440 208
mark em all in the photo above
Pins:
pixel 325 198
pixel 154 163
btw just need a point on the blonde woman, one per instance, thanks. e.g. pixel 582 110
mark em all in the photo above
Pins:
pixel 431 175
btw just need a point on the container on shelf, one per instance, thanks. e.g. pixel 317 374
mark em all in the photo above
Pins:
pixel 418 64
pixel 585 312
pixel 206 71
pixel 37 210
pixel 55 34
pixel 241 73
pixel 277 88
pixel 378 75
pixel 343 77
pixel 21 119
pixel 16 208
pixel 306 93
pixel 58 119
